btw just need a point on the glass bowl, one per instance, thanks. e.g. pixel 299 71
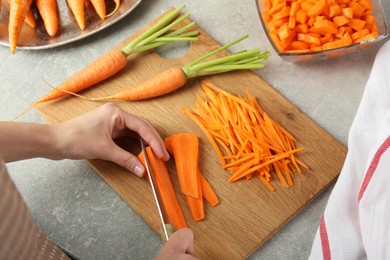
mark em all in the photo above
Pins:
pixel 318 54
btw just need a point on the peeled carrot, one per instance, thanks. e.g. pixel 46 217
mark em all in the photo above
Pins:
pixel 114 61
pixel 208 192
pixel 30 19
pixel 166 190
pixel 18 12
pixel 48 11
pixel 247 141
pixel 329 19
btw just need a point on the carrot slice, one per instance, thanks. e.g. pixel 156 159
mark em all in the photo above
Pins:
pixel 166 190
pixel 185 149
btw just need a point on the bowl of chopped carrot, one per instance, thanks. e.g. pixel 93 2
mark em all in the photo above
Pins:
pixel 301 30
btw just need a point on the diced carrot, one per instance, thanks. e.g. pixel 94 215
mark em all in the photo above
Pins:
pixel 334 10
pixel 317 8
pixel 284 31
pixel 333 45
pixel 295 7
pixel 348 12
pixel 357 9
pixel 347 40
pixel 359 34
pixel 367 37
pixel 357 24
pixel 292 22
pixel 308 39
pixel 306 6
pixel 324 26
pixel 285 12
pixel 340 20
pixel 367 4
pixel 302 16
pixel 302 28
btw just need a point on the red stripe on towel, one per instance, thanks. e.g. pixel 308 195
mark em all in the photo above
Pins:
pixel 373 165
pixel 324 240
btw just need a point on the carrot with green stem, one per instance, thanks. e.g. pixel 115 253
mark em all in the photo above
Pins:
pixel 115 60
pixel 176 77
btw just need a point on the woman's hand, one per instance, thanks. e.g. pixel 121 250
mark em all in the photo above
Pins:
pixel 91 136
pixel 180 246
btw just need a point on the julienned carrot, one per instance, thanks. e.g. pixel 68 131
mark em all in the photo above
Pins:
pixel 166 190
pixel 185 149
pixel 48 11
pixel 18 12
pixel 247 141
pixel 195 204
pixel 114 61
pixel 77 8
pixel 100 7
pixel 176 77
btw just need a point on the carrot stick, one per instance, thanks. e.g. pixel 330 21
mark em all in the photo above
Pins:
pixel 207 191
pixel 77 8
pixel 195 204
pixel 18 12
pixel 185 149
pixel 166 190
pixel 48 11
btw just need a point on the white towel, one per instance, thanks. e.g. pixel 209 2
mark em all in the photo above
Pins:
pixel 356 220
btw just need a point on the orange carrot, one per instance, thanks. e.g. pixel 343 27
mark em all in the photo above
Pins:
pixel 208 192
pixel 331 19
pixel 185 149
pixel 77 8
pixel 18 12
pixel 114 61
pixel 48 11
pixel 166 190
pixel 100 7
pixel 247 140
pixel 195 204
pixel 30 19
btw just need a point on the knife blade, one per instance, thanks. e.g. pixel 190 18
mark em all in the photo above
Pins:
pixel 167 228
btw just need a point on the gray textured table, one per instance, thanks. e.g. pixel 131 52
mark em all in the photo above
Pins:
pixel 80 212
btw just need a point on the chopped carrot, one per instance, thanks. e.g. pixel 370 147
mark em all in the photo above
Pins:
pixel 331 19
pixel 249 142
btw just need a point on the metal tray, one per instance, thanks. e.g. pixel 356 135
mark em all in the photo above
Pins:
pixel 68 30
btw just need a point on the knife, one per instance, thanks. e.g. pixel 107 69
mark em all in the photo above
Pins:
pixel 167 229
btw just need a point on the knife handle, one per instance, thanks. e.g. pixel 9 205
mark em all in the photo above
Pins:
pixel 170 230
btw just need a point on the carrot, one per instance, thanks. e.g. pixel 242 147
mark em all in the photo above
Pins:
pixel 208 192
pixel 48 11
pixel 100 7
pixel 30 19
pixel 114 61
pixel 185 149
pixel 248 142
pixel 77 8
pixel 18 12
pixel 176 77
pixel 328 18
pixel 165 190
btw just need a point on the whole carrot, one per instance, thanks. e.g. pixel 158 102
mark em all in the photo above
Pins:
pixel 114 61
pixel 177 77
pixel 48 11
pixel 18 12
pixel 77 8
pixel 100 7
pixel 30 19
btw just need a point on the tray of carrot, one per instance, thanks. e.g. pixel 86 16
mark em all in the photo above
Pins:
pixel 250 192
pixel 42 24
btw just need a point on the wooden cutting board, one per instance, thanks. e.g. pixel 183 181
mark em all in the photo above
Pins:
pixel 248 213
